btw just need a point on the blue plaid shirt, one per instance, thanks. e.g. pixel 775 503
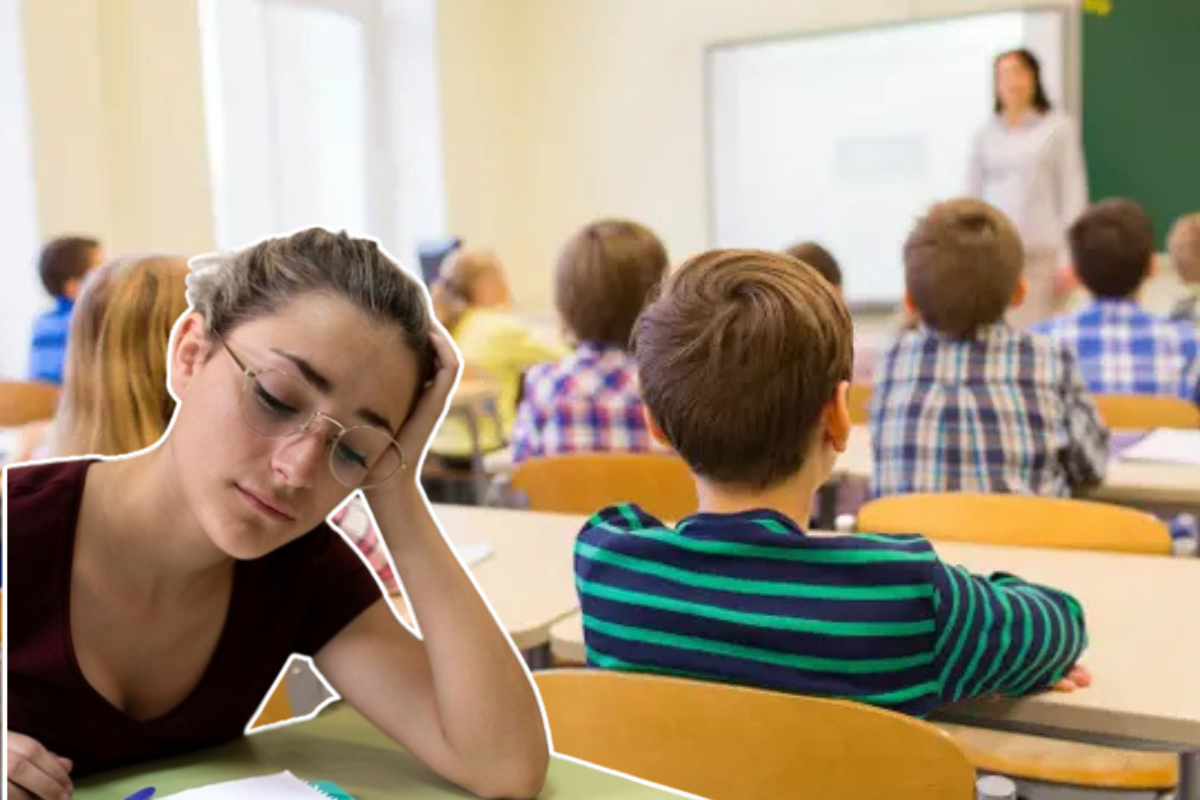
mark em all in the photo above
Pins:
pixel 588 402
pixel 1000 411
pixel 1123 349
pixel 49 346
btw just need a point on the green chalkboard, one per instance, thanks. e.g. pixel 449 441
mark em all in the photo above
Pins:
pixel 1141 105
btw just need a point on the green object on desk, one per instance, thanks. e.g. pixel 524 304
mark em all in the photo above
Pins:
pixel 341 746
pixel 331 789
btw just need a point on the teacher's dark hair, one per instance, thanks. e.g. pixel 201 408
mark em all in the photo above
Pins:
pixel 1040 101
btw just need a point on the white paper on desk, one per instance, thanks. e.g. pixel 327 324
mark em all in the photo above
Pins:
pixel 1166 446
pixel 284 786
pixel 472 554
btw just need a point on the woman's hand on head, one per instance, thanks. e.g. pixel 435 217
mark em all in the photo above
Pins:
pixel 417 429
pixel 34 773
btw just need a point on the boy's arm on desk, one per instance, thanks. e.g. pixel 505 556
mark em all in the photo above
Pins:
pixel 1001 635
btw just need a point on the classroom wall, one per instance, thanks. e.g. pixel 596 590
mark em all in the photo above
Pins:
pixel 554 112
pixel 607 114
pixel 117 119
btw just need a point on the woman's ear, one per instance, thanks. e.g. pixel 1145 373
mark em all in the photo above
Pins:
pixel 189 350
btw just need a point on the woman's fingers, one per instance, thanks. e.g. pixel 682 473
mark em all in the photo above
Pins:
pixel 36 770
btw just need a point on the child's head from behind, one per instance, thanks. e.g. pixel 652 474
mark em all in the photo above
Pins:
pixel 115 396
pixel 468 279
pixel 962 267
pixel 1183 244
pixel 819 259
pixel 65 261
pixel 741 358
pixel 1112 248
pixel 605 274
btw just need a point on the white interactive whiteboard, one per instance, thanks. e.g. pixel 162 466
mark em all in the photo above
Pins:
pixel 845 137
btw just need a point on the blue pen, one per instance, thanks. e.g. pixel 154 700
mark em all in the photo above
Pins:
pixel 142 794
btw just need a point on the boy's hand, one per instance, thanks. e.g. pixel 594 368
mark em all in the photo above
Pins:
pixel 1077 678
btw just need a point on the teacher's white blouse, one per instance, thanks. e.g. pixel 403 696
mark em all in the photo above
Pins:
pixel 1032 171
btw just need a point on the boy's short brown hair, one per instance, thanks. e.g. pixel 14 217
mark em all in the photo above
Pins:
pixel 819 259
pixel 962 264
pixel 1184 246
pixel 1112 247
pixel 65 258
pixel 737 357
pixel 605 274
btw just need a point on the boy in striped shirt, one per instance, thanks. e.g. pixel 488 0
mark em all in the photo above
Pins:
pixel 744 361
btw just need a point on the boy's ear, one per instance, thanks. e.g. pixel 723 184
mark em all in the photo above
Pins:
pixel 189 350
pixel 71 287
pixel 837 417
pixel 655 432
pixel 1019 293
pixel 910 306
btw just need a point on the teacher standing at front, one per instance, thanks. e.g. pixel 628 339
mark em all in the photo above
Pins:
pixel 1028 162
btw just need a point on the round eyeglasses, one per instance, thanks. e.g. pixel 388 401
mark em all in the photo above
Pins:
pixel 275 405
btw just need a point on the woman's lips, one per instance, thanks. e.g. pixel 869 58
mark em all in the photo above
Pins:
pixel 267 505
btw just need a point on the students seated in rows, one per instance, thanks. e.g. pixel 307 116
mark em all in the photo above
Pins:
pixel 1121 347
pixel 744 361
pixel 1183 245
pixel 589 401
pixel 62 266
pixel 965 402
pixel 471 299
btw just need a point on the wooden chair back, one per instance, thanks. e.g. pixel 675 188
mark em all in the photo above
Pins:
pixel 1143 412
pixel 23 402
pixel 583 483
pixel 1019 521
pixel 725 742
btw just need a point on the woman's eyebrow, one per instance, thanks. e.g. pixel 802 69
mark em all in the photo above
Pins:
pixel 324 386
pixel 319 381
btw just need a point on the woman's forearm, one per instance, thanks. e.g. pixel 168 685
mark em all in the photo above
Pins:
pixel 485 703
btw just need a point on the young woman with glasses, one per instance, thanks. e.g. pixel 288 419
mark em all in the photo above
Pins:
pixel 153 600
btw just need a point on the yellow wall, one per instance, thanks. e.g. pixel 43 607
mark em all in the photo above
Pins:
pixel 596 107
pixel 116 109
pixel 554 112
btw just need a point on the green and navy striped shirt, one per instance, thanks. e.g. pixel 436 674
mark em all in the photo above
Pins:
pixel 750 598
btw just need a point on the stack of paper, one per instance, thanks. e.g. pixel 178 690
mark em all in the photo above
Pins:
pixel 284 786
pixel 1166 446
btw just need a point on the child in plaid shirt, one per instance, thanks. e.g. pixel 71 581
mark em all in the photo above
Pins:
pixel 964 402
pixel 1184 247
pixel 1122 348
pixel 590 401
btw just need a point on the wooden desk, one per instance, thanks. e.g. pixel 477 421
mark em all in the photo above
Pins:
pixel 1162 487
pixel 342 747
pixel 1144 651
pixel 528 578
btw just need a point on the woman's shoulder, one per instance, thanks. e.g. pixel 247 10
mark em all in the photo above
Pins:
pixel 45 480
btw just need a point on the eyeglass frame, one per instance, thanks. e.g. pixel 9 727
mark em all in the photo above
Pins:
pixel 251 374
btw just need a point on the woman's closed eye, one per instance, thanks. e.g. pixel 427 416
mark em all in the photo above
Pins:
pixel 350 456
pixel 271 403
